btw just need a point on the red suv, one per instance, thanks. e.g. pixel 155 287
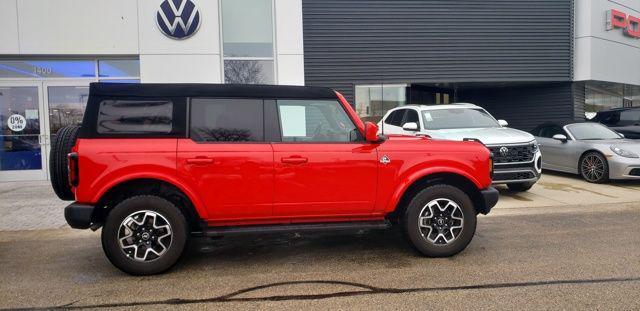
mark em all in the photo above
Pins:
pixel 154 164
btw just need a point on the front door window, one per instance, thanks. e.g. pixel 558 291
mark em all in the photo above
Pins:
pixel 20 137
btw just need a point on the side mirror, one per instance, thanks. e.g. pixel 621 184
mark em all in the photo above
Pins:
pixel 560 137
pixel 410 126
pixel 371 132
pixel 621 135
pixel 503 123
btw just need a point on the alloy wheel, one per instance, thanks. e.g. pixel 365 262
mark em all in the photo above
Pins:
pixel 145 235
pixel 593 168
pixel 441 221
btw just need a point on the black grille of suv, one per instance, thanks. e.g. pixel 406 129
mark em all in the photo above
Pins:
pixel 635 172
pixel 506 176
pixel 514 153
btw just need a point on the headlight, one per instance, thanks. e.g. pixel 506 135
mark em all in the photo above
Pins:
pixel 623 153
pixel 535 146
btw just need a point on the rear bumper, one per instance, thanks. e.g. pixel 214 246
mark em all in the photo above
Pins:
pixel 79 215
pixel 489 200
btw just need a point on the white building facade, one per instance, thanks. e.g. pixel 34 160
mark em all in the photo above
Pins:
pixel 607 53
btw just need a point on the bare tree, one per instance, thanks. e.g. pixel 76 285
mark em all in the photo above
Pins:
pixel 243 71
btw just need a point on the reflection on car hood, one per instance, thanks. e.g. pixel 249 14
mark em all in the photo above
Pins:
pixel 488 136
pixel 627 144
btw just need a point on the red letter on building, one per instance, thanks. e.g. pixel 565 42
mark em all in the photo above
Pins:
pixel 633 27
pixel 617 19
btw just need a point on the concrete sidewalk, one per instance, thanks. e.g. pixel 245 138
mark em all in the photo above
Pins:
pixel 33 205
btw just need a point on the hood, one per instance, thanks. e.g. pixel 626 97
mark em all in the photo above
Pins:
pixel 627 144
pixel 488 136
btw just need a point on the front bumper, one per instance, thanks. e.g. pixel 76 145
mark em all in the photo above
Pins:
pixel 624 168
pixel 489 200
pixel 79 215
pixel 524 172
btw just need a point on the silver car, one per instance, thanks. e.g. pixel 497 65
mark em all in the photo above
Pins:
pixel 590 149
pixel 515 153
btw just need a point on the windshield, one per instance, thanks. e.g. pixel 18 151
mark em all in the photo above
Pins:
pixel 457 118
pixel 591 131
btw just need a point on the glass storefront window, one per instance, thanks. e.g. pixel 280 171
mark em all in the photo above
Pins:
pixel 118 68
pixel 601 95
pixel 47 69
pixel 20 145
pixel 249 71
pixel 247 41
pixel 247 28
pixel 373 101
pixel 66 106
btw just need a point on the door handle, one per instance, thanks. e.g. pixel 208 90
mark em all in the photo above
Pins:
pixel 294 160
pixel 199 160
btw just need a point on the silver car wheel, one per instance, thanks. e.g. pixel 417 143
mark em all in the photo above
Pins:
pixel 440 221
pixel 592 167
pixel 145 236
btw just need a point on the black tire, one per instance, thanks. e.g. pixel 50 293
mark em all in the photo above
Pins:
pixel 414 233
pixel 58 162
pixel 176 244
pixel 595 160
pixel 520 187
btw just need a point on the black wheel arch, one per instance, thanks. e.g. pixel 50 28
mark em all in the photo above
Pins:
pixel 147 186
pixel 452 179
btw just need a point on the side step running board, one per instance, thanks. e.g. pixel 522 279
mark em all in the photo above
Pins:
pixel 334 226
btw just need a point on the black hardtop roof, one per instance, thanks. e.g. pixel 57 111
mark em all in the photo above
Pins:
pixel 210 90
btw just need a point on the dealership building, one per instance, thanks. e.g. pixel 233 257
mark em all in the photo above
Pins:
pixel 524 61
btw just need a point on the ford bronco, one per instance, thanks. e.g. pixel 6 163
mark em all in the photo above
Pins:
pixel 156 164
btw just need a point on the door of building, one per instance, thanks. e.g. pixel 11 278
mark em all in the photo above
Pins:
pixel 31 114
pixel 23 148
pixel 64 102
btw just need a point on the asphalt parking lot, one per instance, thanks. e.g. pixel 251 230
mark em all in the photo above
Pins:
pixel 566 244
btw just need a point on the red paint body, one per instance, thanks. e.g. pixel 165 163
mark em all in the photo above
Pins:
pixel 269 183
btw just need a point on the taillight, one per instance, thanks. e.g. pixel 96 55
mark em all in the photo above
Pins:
pixel 72 159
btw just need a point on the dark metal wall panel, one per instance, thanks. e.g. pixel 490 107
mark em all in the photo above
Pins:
pixel 350 42
pixel 525 106
pixel 579 98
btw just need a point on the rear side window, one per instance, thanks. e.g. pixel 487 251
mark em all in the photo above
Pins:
pixel 630 117
pixel 135 117
pixel 227 120
pixel 412 116
pixel 395 118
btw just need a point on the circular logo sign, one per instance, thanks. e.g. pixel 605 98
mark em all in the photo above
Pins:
pixel 178 19
pixel 504 151
pixel 16 123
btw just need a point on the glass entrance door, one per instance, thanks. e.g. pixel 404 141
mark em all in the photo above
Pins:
pixel 65 104
pixel 23 139
pixel 31 114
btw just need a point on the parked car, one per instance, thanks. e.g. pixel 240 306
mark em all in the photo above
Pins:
pixel 625 121
pixel 590 149
pixel 515 153
pixel 153 164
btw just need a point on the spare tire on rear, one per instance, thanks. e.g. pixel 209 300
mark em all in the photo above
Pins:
pixel 58 161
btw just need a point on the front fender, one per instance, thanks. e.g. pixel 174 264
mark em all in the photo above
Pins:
pixel 412 177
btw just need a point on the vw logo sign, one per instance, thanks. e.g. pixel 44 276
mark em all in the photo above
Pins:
pixel 504 151
pixel 178 19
